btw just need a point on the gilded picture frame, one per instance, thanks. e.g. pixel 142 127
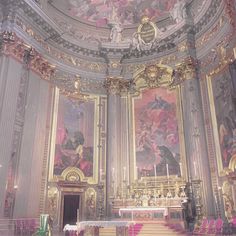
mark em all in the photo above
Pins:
pixel 182 159
pixel 77 172
pixel 220 117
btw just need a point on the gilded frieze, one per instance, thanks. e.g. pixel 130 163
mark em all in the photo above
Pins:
pixel 18 49
pixel 202 41
pixel 59 55
pixel 136 67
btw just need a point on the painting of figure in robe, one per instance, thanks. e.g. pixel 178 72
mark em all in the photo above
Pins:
pixel 223 89
pixel 74 136
pixel 156 133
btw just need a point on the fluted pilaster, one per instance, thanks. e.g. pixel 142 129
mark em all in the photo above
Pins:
pixel 194 131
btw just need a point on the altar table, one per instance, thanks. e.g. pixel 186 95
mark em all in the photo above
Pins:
pixel 93 227
pixel 149 213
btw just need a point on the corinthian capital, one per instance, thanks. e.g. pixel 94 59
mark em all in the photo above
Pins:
pixel 117 85
pixel 6 37
pixel 187 69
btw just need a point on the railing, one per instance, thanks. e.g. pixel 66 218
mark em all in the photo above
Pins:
pixel 20 226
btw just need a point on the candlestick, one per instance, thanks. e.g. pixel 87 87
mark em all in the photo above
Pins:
pixel 195 169
pixel 101 173
pixel 167 171
pixel 113 174
pixel 180 167
pixel 124 168
pixel 155 170
pixel 136 172
pixel 216 199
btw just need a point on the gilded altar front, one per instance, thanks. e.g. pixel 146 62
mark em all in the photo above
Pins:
pixel 152 199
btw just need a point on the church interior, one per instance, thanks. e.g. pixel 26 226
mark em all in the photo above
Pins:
pixel 117 117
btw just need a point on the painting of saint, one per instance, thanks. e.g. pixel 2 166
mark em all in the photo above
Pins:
pixel 225 114
pixel 156 133
pixel 74 136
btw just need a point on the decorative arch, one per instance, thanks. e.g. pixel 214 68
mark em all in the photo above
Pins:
pixel 72 174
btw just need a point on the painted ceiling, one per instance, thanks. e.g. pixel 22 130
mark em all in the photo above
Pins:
pixel 99 12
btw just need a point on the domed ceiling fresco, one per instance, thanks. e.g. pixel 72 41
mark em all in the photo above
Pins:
pixel 99 12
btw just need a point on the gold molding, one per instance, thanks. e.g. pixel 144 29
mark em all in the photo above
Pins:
pixel 214 125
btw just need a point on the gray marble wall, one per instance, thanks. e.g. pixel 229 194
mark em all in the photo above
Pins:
pixel 9 83
pixel 32 149
pixel 28 173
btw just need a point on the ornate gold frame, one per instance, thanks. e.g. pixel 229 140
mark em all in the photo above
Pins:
pixel 55 178
pixel 221 171
pixel 180 131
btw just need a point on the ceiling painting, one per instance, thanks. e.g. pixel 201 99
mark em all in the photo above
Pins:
pixel 99 12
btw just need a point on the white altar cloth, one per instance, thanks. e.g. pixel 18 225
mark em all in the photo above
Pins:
pixel 70 228
pixel 143 209
pixel 103 224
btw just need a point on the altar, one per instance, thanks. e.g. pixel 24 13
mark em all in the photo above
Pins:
pixel 158 199
pixel 92 227
pixel 151 213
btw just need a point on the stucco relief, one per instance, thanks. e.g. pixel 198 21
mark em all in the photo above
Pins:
pixel 90 203
pixel 53 197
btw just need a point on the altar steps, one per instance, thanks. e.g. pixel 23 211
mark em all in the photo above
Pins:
pixel 148 229
pixel 109 231
pixel 151 229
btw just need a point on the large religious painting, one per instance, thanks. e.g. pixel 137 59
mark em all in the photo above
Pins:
pixel 127 11
pixel 223 109
pixel 156 133
pixel 74 131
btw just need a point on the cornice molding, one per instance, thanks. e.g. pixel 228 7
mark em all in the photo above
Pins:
pixel 35 14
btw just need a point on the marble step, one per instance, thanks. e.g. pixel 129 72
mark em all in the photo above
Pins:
pixel 158 229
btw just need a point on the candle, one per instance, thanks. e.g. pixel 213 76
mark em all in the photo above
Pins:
pixel 180 167
pixel 155 170
pixel 113 174
pixel 136 172
pixel 101 173
pixel 167 171
pixel 124 171
pixel 195 169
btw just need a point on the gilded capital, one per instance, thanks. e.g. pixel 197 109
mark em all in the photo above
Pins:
pixel 6 37
pixel 187 69
pixel 117 85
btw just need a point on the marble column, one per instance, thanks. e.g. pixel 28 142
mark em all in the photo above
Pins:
pixel 115 84
pixel 113 140
pixel 195 140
